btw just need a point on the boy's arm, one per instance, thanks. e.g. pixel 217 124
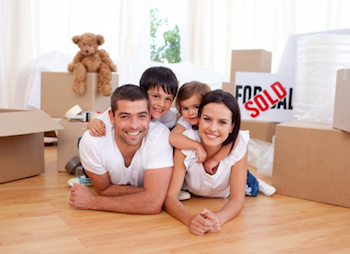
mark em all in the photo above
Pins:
pixel 180 141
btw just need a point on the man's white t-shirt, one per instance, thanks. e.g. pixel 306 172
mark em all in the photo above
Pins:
pixel 100 155
pixel 200 183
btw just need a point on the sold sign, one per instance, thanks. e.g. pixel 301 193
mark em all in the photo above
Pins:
pixel 265 96
pixel 266 99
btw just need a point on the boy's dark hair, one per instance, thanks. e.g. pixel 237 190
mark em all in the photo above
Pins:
pixel 220 96
pixel 160 77
pixel 128 92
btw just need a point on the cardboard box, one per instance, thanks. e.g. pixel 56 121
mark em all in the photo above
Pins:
pixel 67 141
pixel 255 60
pixel 311 161
pixel 341 117
pixel 229 87
pixel 57 96
pixel 22 143
pixel 259 129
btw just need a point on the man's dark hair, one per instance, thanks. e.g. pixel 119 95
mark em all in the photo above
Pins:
pixel 160 76
pixel 128 92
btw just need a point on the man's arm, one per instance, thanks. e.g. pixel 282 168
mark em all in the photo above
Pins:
pixel 104 187
pixel 148 201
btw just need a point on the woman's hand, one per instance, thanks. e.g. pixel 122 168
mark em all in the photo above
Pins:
pixel 201 153
pixel 200 225
pixel 97 128
pixel 208 215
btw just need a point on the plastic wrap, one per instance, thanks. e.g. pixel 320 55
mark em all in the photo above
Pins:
pixel 260 155
pixel 318 59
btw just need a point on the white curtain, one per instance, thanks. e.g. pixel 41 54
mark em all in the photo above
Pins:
pixel 32 28
pixel 209 29
pixel 217 27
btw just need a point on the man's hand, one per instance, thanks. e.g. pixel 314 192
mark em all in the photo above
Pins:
pixel 81 197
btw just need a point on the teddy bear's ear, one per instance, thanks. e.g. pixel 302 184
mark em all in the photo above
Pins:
pixel 100 40
pixel 76 39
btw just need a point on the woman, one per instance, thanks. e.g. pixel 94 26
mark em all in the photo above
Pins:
pixel 219 123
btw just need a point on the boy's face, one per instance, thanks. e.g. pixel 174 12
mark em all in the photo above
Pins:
pixel 160 102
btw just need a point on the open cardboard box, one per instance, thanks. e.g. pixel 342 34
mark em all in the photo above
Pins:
pixel 22 143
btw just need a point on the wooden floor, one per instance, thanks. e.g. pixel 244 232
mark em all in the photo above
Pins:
pixel 35 218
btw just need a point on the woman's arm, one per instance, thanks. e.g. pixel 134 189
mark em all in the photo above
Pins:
pixel 197 224
pixel 180 141
pixel 238 180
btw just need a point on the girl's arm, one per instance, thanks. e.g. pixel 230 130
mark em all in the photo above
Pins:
pixel 180 141
pixel 197 224
pixel 212 162
pixel 233 207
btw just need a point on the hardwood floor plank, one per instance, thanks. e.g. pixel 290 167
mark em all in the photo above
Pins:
pixel 35 217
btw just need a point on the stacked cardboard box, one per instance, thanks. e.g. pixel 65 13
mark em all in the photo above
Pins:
pixel 57 96
pixel 341 117
pixel 22 143
pixel 256 60
pixel 311 161
pixel 261 130
pixel 67 145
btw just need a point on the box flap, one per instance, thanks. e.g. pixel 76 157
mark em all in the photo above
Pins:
pixel 26 122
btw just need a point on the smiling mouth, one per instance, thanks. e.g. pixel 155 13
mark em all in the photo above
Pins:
pixel 158 110
pixel 210 136
pixel 133 133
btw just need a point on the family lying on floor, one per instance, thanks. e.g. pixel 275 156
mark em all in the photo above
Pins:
pixel 139 158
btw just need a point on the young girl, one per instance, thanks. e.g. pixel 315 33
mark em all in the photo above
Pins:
pixel 189 98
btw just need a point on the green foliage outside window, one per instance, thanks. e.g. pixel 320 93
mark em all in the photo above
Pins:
pixel 170 52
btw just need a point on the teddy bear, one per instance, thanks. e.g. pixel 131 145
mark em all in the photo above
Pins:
pixel 90 59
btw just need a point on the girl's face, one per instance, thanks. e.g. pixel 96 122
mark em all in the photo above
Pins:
pixel 189 109
pixel 215 124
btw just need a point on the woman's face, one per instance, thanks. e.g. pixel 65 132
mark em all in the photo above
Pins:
pixel 215 124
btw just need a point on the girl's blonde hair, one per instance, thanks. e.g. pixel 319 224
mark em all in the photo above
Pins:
pixel 187 90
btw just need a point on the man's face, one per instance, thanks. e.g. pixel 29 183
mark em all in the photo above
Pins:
pixel 160 102
pixel 130 121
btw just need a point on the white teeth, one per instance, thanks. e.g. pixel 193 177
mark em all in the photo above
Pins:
pixel 158 110
pixel 211 136
pixel 133 133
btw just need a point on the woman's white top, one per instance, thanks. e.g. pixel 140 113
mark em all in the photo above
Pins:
pixel 200 183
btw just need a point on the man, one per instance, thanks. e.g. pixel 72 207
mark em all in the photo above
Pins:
pixel 131 166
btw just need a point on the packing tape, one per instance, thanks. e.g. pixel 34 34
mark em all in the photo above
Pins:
pixel 76 110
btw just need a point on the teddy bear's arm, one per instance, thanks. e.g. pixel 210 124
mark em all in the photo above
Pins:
pixel 107 60
pixel 78 57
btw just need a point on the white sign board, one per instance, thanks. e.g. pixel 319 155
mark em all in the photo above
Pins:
pixel 265 96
